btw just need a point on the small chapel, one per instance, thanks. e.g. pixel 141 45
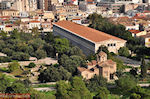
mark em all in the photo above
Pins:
pixel 101 66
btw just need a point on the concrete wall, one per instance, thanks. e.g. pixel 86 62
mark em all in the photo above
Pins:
pixel 86 46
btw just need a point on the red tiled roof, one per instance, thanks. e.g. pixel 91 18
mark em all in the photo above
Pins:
pixel 70 4
pixel 134 31
pixel 146 11
pixel 34 21
pixel 76 19
pixel 86 32
pixel 8 26
pixel 93 62
pixel 5 16
pixel 89 1
pixel 81 69
pixel 145 36
pixel 111 62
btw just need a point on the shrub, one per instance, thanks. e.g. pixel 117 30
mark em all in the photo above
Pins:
pixel 13 66
pixel 124 51
pixel 31 65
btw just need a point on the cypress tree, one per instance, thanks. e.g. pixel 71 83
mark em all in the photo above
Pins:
pixel 143 68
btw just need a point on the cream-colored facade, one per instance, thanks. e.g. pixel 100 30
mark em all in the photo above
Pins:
pixel 146 39
pixel 24 5
pixel 147 42
pixel 137 34
pixel 9 12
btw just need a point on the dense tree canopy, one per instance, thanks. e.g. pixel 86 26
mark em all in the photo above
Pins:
pixel 52 74
pixel 126 83
pixel 75 89
pixel 71 63
pixel 124 51
pixel 96 83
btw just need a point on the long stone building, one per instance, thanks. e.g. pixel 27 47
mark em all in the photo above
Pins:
pixel 88 39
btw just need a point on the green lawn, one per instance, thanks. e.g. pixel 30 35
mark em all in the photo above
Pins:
pixel 44 85
pixel 10 78
pixel 50 94
pixel 4 69
pixel 112 96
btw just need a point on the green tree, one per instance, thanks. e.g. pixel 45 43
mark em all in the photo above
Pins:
pixel 120 66
pixel 13 66
pixel 79 90
pixel 3 34
pixel 96 83
pixel 71 63
pixel 15 34
pixel 63 90
pixel 31 65
pixel 75 89
pixel 75 51
pixel 61 45
pixel 48 37
pixel 133 72
pixel 52 74
pixel 35 31
pixel 20 56
pixel 135 96
pixel 4 83
pixel 37 43
pixel 140 92
pixel 126 83
pixel 40 54
pixel 19 88
pixel 124 51
pixel 104 49
pixel 102 93
pixel 143 68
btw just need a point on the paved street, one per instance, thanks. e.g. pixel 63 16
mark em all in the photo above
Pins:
pixel 129 62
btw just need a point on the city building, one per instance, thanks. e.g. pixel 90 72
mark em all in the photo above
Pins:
pixel 88 39
pixel 9 12
pixel 137 33
pixel 34 24
pixel 89 6
pixel 146 39
pixel 102 66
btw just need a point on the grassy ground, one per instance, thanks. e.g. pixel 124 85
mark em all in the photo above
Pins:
pixel 44 85
pixel 112 96
pixel 10 78
pixel 50 94
pixel 4 69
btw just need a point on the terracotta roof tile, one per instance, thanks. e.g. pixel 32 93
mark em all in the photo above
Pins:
pixel 101 53
pixel 134 31
pixel 146 11
pixel 34 21
pixel 110 62
pixel 86 32
pixel 146 36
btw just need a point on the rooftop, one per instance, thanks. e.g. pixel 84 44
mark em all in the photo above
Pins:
pixel 146 36
pixel 34 21
pixel 86 32
pixel 134 31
